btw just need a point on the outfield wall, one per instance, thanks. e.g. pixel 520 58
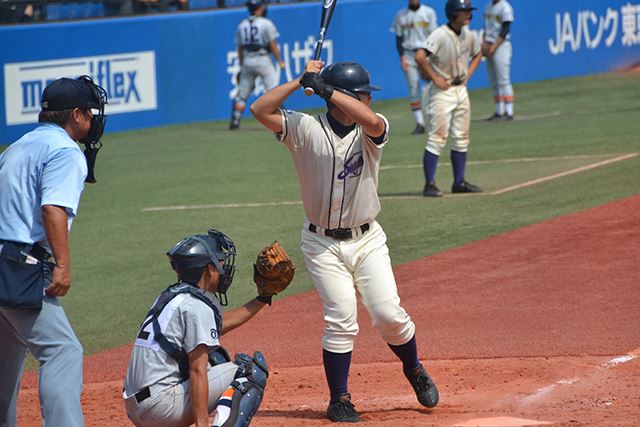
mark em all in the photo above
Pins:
pixel 180 68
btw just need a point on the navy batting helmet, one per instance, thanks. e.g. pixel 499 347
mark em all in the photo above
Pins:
pixel 452 8
pixel 253 5
pixel 349 78
pixel 191 255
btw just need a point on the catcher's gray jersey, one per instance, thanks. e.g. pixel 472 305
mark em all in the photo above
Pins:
pixel 414 26
pixel 494 15
pixel 254 34
pixel 185 321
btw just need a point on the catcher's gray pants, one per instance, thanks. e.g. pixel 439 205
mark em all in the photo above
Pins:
pixel 255 66
pixel 171 406
pixel 47 334
pixel 498 69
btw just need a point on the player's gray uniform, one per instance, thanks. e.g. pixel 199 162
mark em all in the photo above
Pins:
pixel 499 65
pixel 342 193
pixel 254 35
pixel 413 26
pixel 187 322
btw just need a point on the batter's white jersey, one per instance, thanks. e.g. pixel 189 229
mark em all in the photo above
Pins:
pixel 338 176
pixel 254 34
pixel 414 26
pixel 450 52
pixel 494 16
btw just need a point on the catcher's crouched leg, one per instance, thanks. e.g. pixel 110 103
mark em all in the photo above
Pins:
pixel 240 402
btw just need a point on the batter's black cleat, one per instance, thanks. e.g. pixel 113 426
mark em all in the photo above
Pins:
pixel 465 187
pixel 430 190
pixel 425 389
pixel 419 129
pixel 342 410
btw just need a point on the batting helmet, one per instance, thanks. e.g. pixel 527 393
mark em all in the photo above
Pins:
pixel 349 78
pixel 452 8
pixel 253 5
pixel 191 255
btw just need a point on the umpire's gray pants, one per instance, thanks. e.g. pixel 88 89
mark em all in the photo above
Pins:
pixel 48 335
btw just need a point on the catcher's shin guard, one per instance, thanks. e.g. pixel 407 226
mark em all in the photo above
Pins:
pixel 240 402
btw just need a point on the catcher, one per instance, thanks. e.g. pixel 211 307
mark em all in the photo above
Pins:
pixel 178 372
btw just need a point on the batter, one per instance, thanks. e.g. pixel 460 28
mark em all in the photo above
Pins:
pixel 449 59
pixel 496 46
pixel 412 25
pixel 337 158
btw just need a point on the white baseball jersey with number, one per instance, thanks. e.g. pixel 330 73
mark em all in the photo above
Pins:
pixel 338 179
pixel 450 52
pixel 414 26
pixel 254 34
pixel 494 15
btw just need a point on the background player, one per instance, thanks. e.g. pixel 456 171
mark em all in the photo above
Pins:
pixel 42 177
pixel 496 46
pixel 178 371
pixel 255 38
pixel 412 25
pixel 337 158
pixel 450 57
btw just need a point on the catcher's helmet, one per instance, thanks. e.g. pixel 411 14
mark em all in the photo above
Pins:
pixel 349 78
pixel 452 8
pixel 253 5
pixel 192 254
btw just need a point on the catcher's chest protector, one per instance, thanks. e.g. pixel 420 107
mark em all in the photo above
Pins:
pixel 176 352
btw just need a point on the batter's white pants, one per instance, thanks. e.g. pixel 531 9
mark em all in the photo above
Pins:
pixel 448 113
pixel 499 69
pixel 171 407
pixel 339 270
pixel 255 66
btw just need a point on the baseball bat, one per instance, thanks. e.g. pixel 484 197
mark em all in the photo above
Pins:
pixel 327 12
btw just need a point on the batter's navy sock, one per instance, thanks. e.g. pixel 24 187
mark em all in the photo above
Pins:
pixel 430 164
pixel 458 161
pixel 408 354
pixel 336 368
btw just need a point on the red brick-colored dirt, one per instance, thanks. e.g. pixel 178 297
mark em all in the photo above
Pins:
pixel 541 324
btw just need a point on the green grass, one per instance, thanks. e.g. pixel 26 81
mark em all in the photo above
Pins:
pixel 118 249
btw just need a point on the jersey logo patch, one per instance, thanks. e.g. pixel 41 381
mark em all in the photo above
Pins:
pixel 214 333
pixel 352 166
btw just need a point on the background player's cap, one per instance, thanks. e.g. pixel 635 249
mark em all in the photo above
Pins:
pixel 65 94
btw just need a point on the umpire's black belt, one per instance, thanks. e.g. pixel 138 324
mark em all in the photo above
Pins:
pixel 339 233
pixel 35 250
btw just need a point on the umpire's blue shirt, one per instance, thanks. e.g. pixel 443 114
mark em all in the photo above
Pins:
pixel 44 167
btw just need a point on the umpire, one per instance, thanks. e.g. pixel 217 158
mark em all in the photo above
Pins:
pixel 42 176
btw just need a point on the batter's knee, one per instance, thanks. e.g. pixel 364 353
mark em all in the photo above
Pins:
pixel 396 327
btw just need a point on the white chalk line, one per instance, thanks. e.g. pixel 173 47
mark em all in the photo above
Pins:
pixel 543 391
pixel 415 196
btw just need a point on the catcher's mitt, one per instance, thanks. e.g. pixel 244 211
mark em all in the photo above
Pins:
pixel 273 270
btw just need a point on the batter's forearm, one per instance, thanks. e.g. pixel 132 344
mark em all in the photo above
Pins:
pixel 266 109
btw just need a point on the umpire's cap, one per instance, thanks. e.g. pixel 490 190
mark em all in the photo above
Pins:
pixel 66 94
pixel 452 8
pixel 349 78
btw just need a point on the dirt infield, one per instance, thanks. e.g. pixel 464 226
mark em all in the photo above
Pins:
pixel 539 325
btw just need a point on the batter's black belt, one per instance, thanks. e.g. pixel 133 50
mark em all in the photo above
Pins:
pixel 339 233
